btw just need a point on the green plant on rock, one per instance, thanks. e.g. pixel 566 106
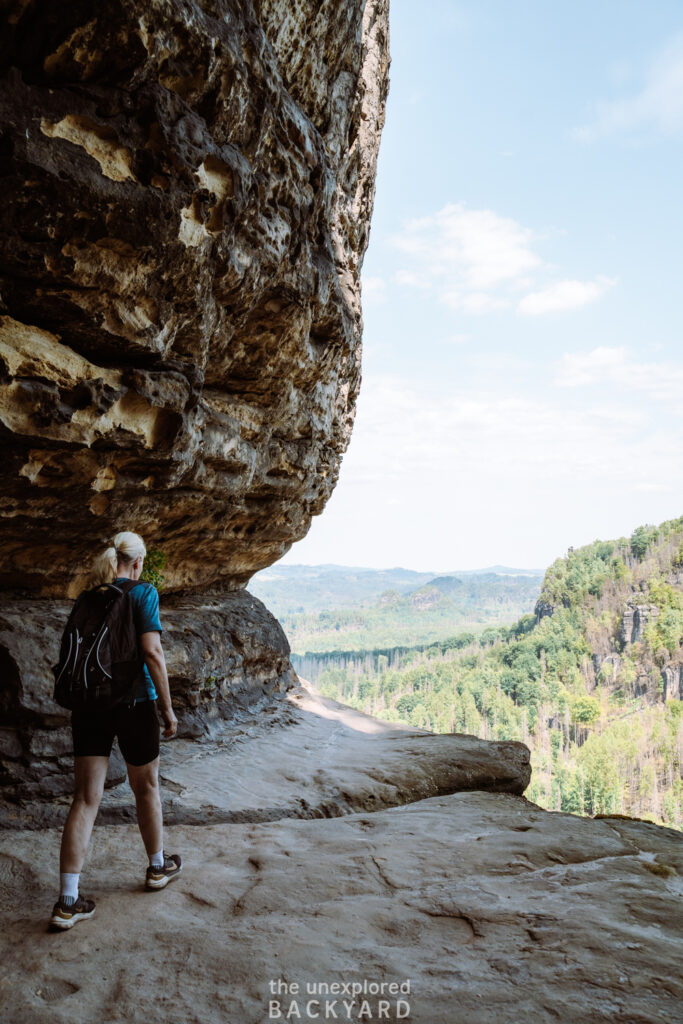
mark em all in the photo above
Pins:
pixel 627 673
pixel 152 567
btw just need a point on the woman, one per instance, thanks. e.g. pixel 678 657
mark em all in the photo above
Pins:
pixel 137 729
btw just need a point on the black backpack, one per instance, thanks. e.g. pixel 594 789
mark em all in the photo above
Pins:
pixel 100 662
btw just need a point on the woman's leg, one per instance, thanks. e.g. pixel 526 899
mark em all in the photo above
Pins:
pixel 144 781
pixel 138 732
pixel 90 773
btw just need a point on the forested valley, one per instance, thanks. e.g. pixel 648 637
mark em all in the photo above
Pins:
pixel 428 613
pixel 591 681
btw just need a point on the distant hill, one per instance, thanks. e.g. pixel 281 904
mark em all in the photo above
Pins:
pixel 404 614
pixel 294 589
pixel 501 570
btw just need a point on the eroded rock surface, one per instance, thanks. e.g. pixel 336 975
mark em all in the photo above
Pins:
pixel 494 910
pixel 187 194
pixel 227 658
pixel 262 754
pixel 488 907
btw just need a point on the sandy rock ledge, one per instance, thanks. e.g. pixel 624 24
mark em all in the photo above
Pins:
pixel 491 909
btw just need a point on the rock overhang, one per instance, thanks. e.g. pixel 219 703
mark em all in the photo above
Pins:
pixel 190 191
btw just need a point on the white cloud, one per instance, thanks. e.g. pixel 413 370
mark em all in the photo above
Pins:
pixel 374 288
pixel 477 261
pixel 413 279
pixel 443 478
pixel 476 247
pixel 564 295
pixel 422 441
pixel 616 367
pixel 579 369
pixel 657 106
pixel 473 302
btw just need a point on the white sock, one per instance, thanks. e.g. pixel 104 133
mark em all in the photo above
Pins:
pixel 156 860
pixel 68 888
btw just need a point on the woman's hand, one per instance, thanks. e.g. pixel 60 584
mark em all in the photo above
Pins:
pixel 170 722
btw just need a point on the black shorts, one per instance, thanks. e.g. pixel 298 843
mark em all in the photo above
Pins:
pixel 137 729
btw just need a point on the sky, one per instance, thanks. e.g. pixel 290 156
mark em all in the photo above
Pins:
pixel 522 359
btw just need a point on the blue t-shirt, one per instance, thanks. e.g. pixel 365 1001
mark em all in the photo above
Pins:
pixel 145 600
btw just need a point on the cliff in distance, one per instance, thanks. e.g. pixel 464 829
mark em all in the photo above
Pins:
pixel 187 199
pixel 628 596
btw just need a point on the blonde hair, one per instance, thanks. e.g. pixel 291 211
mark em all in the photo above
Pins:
pixel 126 548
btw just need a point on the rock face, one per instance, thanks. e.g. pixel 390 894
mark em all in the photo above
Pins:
pixel 187 199
pixel 634 621
pixel 672 679
pixel 226 656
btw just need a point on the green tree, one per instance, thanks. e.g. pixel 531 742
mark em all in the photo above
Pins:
pixel 585 710
pixel 641 539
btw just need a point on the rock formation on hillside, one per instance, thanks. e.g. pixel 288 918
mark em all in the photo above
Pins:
pixel 634 620
pixel 188 191
pixel 630 610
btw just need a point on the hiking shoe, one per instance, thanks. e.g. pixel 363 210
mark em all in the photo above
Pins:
pixel 66 915
pixel 157 878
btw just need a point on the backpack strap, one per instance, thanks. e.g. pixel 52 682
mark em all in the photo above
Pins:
pixel 125 586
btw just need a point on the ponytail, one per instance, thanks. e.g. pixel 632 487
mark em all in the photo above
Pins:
pixel 126 548
pixel 105 568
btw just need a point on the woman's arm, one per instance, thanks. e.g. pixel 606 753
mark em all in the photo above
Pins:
pixel 156 663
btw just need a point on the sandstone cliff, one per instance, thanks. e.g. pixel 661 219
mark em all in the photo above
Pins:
pixel 187 198
pixel 631 613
